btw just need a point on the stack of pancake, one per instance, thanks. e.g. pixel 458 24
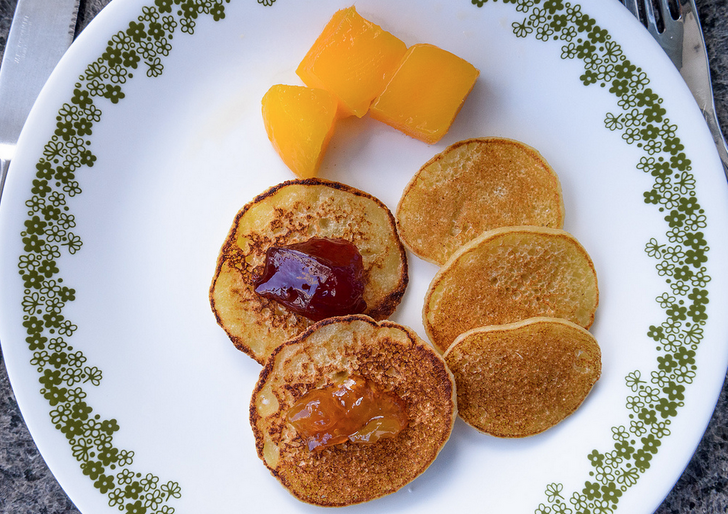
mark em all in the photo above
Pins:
pixel 507 314
pixel 300 356
pixel 515 294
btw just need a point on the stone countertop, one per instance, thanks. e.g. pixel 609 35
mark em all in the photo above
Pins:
pixel 27 487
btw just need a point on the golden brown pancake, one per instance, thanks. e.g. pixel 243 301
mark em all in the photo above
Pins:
pixel 520 379
pixel 474 186
pixel 397 361
pixel 292 212
pixel 510 274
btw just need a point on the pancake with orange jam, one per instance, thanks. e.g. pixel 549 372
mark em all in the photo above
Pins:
pixel 387 444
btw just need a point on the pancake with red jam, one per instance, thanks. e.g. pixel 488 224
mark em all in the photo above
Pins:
pixel 309 227
pixel 403 371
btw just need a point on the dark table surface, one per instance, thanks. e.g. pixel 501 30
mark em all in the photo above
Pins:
pixel 28 487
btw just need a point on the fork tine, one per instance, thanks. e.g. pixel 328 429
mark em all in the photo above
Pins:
pixel 652 15
pixel 633 7
pixel 670 9
pixel 666 30
pixel 662 15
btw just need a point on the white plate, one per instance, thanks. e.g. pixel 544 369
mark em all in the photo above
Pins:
pixel 142 404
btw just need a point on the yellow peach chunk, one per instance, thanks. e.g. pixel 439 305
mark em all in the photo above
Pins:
pixel 353 58
pixel 299 121
pixel 425 94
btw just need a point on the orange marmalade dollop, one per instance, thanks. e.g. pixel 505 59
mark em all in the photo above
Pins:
pixel 352 409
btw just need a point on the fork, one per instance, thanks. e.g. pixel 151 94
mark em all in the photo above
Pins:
pixel 676 27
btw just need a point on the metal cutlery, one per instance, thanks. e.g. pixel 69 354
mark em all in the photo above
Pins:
pixel 676 27
pixel 40 33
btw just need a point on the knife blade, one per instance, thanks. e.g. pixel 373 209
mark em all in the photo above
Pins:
pixel 694 67
pixel 40 33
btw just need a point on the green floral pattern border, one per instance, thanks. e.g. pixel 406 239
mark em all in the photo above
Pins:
pixel 654 397
pixel 65 373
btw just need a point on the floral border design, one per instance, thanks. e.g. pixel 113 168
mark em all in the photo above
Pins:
pixel 640 120
pixel 654 398
pixel 64 371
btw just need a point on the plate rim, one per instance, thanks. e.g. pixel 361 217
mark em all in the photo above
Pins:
pixel 554 500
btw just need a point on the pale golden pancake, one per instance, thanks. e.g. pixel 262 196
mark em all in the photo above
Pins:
pixel 292 212
pixel 391 356
pixel 510 274
pixel 520 379
pixel 474 186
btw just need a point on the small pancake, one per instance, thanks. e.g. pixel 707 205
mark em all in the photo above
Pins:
pixel 396 360
pixel 293 212
pixel 474 186
pixel 520 379
pixel 510 274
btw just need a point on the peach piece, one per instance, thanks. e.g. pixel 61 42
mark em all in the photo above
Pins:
pixel 299 121
pixel 353 58
pixel 425 94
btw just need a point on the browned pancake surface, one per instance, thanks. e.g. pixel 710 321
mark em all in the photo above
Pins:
pixel 510 274
pixel 474 186
pixel 396 360
pixel 292 212
pixel 520 379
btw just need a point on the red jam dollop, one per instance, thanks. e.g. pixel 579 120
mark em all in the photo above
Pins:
pixel 318 278
pixel 353 409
